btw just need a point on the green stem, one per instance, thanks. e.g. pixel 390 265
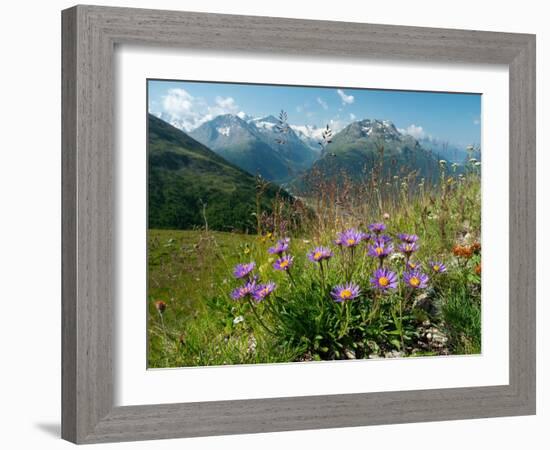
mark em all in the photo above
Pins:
pixel 344 311
pixel 291 278
pixel 351 264
pixel 260 321
pixel 401 324
pixel 166 340
pixel 322 275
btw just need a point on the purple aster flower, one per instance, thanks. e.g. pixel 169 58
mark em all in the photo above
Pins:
pixel 409 238
pixel 384 238
pixel 416 279
pixel 350 238
pixel 319 254
pixel 438 267
pixel 377 228
pixel 280 247
pixel 284 263
pixel 263 291
pixel 244 291
pixel 345 292
pixel 380 248
pixel 413 265
pixel 384 279
pixel 408 248
pixel 242 270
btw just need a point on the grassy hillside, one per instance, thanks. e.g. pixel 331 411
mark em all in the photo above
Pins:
pixel 190 274
pixel 190 186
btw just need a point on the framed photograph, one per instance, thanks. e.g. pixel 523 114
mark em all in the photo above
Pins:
pixel 268 230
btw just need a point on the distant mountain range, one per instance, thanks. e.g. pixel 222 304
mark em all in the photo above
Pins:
pixel 447 150
pixel 252 145
pixel 311 135
pixel 257 146
pixel 357 149
pixel 208 175
pixel 189 185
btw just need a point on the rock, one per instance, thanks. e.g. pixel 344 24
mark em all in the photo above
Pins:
pixel 425 302
pixel 432 339
pixel 394 354
pixel 350 354
pixel 252 344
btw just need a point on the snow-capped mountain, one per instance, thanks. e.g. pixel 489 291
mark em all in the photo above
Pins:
pixel 311 135
pixel 355 150
pixel 241 143
pixel 380 129
pixel 256 146
pixel 447 150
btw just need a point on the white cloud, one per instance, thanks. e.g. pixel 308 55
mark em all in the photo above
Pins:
pixel 346 99
pixel 352 116
pixel 177 101
pixel 336 125
pixel 322 103
pixel 416 131
pixel 186 112
pixel 226 103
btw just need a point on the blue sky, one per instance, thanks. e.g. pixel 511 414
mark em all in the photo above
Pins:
pixel 453 117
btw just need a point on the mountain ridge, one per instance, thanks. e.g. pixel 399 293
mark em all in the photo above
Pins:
pixel 367 144
pixel 254 145
pixel 190 186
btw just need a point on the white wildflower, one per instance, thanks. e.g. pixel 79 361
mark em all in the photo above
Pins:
pixel 238 319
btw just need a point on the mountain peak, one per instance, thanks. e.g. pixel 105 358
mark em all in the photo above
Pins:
pixel 375 128
pixel 229 117
pixel 270 118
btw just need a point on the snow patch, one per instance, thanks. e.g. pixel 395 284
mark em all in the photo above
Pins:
pixel 224 131
pixel 265 125
pixel 367 130
pixel 308 131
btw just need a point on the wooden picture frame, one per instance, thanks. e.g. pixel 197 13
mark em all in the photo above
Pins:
pixel 90 34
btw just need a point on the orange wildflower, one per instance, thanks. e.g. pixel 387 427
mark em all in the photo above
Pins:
pixel 476 247
pixel 463 251
pixel 160 305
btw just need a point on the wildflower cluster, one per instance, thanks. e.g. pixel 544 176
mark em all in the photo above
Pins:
pixel 369 282
pixel 379 246
pixel 467 251
pixel 252 288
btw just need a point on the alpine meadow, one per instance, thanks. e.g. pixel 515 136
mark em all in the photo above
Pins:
pixel 297 224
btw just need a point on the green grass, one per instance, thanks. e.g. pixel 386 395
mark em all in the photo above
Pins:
pixel 191 271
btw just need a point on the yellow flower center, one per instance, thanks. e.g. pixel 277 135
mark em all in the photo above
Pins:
pixel 284 264
pixel 264 291
pixel 414 281
pixel 379 250
pixel 317 255
pixel 413 265
pixel 383 281
pixel 436 268
pixel 346 293
pixel 350 241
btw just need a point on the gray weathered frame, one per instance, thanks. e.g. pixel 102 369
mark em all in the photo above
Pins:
pixel 89 37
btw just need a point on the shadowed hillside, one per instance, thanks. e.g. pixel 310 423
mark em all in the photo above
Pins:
pixel 191 186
